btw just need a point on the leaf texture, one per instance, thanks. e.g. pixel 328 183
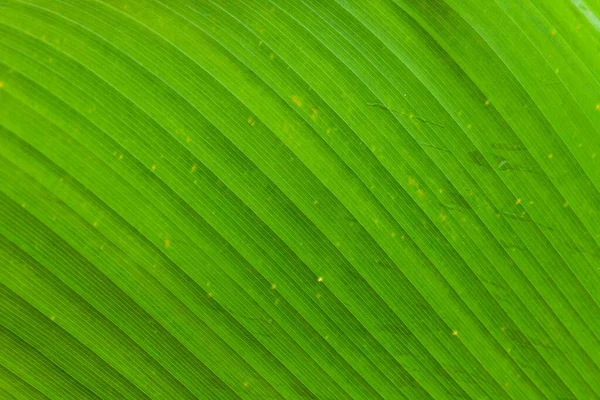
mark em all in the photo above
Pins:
pixel 349 199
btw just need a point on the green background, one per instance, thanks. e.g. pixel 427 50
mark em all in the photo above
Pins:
pixel 317 199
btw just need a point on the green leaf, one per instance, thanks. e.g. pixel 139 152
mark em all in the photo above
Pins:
pixel 367 199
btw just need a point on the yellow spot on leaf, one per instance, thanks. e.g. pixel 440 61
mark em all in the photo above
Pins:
pixel 154 168
pixel 95 224
pixel 597 107
pixel 421 193
pixel 1 84
pixel 261 29
pixel 411 181
pixel 167 243
pixel 52 318
pixel 272 56
pixel 193 169
pixel 316 202
pixel 393 234
pixel 443 218
pixel 553 32
pixel 297 101
pixel 273 287
pixel 188 139
pixel 260 42
pixel 518 201
pixel 251 121
pixel 441 191
pixel 320 279
pixel 120 156
pixel 550 156
pixel 315 113
pixel 487 103
pixel 469 126
pixel 318 295
pixel 455 333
